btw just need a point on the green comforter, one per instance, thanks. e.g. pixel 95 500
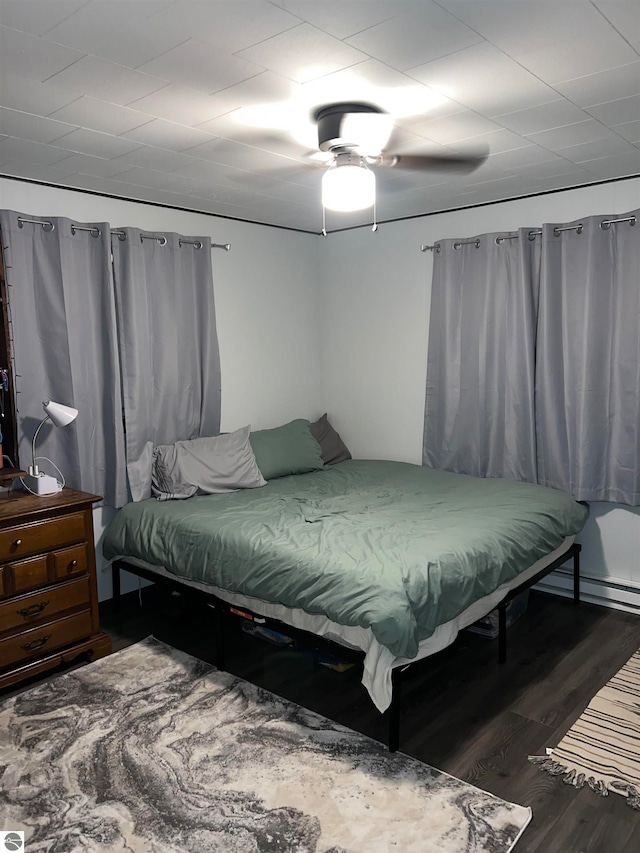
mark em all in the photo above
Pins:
pixel 387 545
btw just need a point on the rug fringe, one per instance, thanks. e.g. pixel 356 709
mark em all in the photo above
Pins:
pixel 579 780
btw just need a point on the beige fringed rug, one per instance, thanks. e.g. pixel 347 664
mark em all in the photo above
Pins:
pixel 602 748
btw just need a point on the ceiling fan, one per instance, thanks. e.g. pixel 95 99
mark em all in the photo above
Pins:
pixel 354 136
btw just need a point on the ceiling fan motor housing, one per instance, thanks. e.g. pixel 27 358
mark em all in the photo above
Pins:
pixel 330 120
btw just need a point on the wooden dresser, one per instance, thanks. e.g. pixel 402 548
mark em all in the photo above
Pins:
pixel 48 590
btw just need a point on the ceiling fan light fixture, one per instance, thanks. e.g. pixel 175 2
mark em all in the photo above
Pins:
pixel 348 186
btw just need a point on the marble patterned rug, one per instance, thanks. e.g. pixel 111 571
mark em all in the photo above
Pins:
pixel 152 751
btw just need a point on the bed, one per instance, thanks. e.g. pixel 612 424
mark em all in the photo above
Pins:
pixel 388 559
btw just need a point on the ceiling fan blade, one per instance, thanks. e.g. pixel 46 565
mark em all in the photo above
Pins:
pixel 458 163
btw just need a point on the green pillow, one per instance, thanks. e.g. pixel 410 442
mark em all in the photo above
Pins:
pixel 287 449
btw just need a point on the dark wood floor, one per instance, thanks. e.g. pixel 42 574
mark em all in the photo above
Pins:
pixel 462 712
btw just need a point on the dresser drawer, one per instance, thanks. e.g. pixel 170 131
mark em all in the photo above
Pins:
pixel 37 607
pixel 26 574
pixel 27 539
pixel 69 562
pixel 38 641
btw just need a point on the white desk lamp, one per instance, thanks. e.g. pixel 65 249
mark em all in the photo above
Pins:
pixel 59 415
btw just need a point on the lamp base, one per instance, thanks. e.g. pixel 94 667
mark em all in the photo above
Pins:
pixel 42 484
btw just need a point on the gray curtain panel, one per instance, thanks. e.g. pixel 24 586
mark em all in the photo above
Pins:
pixel 65 348
pixel 479 410
pixel 168 345
pixel 588 361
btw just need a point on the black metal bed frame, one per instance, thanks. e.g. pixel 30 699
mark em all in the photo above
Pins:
pixel 223 611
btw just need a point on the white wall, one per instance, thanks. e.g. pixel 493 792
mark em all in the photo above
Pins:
pixel 267 305
pixel 307 325
pixel 375 303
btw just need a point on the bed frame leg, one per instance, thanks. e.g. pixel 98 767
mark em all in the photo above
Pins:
pixel 576 573
pixel 502 633
pixel 394 710
pixel 219 618
pixel 115 586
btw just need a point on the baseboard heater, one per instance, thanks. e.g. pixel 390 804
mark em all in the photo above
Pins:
pixel 606 592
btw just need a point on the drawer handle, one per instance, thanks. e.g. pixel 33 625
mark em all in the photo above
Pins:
pixel 33 609
pixel 36 644
pixel 17 543
pixel 72 565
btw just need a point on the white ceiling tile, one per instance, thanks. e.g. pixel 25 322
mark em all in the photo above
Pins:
pixel 617 112
pixel 106 81
pixel 515 26
pixel 570 179
pixel 572 134
pixel 30 96
pixel 625 17
pixel 504 140
pixel 136 8
pixel 179 104
pixel 240 156
pixel 36 128
pixel 630 131
pixel 440 108
pixel 613 167
pixel 342 19
pixel 89 165
pixel 30 152
pixel 195 65
pixel 98 144
pixel 415 38
pixel 558 166
pixel 228 24
pixel 93 183
pixel 50 174
pixel 168 134
pixel 533 154
pixel 263 89
pixel 462 125
pixel 250 111
pixel 407 179
pixel 209 173
pixel 281 144
pixel 575 57
pixel 543 117
pixel 36 16
pixel 374 82
pixel 29 56
pixel 152 178
pixel 149 157
pixel 303 53
pixel 101 115
pixel 483 78
pixel 231 126
pixel 98 29
pixel 603 86
pixel 606 147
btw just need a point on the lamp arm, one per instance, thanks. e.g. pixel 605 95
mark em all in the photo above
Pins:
pixel 33 470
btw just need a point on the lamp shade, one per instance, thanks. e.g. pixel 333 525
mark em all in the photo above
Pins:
pixel 348 187
pixel 58 414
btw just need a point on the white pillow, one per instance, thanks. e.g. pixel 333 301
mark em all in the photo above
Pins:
pixel 211 465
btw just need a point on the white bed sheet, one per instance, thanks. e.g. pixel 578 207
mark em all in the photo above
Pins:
pixel 378 661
